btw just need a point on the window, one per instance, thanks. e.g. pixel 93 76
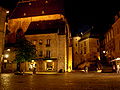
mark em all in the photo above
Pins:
pixel 81 45
pixel 85 43
pixel 34 42
pixel 48 53
pixel 76 44
pixel 48 43
pixel 40 42
pixel 46 1
pixel 97 49
pixel 81 52
pixel 84 50
pixel 41 53
pixel 97 42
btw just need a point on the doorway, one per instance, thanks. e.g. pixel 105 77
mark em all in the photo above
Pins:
pixel 49 66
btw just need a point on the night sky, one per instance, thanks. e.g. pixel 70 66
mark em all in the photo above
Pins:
pixel 82 14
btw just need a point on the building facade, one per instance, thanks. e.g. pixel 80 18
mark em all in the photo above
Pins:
pixel 88 51
pixel 112 41
pixel 76 56
pixel 44 24
pixel 2 32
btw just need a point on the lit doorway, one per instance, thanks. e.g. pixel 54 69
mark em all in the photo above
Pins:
pixel 50 65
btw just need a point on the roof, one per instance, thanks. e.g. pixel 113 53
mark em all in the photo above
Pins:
pixel 38 8
pixel 44 27
pixel 89 34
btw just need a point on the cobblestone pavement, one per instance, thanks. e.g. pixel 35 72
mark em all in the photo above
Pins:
pixel 65 81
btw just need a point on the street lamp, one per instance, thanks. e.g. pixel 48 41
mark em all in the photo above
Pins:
pixel 104 52
pixel 6 55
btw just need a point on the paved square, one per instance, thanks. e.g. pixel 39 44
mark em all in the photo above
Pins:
pixel 65 81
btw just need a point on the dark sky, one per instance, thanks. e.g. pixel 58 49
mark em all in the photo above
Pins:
pixel 83 14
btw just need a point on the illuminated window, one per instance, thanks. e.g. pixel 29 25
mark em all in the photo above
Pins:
pixel 34 42
pixel 46 1
pixel 29 3
pixel 24 14
pixel 43 12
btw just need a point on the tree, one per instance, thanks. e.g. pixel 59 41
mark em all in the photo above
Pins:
pixel 24 49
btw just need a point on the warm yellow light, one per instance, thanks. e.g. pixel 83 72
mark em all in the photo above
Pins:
pixel 7 12
pixel 6 55
pixel 69 70
pixel 82 70
pixel 99 70
pixel 5 61
pixel 8 49
pixel 49 60
pixel 32 60
pixel 99 57
pixel 103 51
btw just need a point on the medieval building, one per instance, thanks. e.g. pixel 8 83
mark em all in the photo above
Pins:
pixel 44 24
pixel 2 32
pixel 112 41
pixel 86 50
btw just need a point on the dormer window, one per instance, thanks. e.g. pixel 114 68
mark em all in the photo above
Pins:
pixel 43 12
pixel 46 1
pixel 24 14
pixel 29 3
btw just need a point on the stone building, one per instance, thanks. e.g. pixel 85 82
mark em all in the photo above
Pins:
pixel 88 50
pixel 44 24
pixel 2 32
pixel 112 41
pixel 76 51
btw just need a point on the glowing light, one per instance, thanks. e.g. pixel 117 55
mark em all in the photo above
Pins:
pixel 82 70
pixel 99 70
pixel 7 12
pixel 99 57
pixel 117 59
pixel 81 33
pixel 6 55
pixel 69 69
pixel 8 49
pixel 5 61
pixel 49 60
pixel 32 60
pixel 103 51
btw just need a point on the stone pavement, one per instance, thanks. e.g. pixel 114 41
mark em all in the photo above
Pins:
pixel 63 81
pixel 37 73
